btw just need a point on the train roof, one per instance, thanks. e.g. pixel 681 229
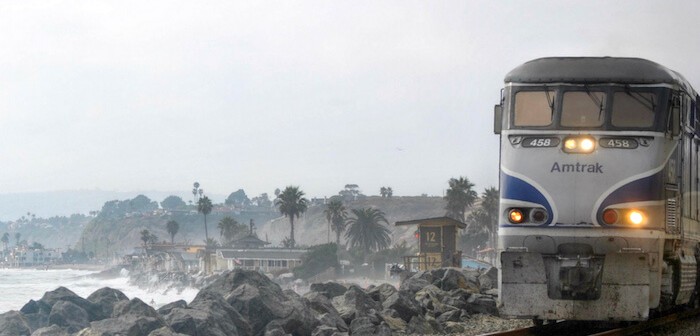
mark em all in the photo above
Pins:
pixel 595 70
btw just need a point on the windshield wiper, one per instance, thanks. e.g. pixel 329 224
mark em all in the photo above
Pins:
pixel 550 101
pixel 600 103
pixel 640 98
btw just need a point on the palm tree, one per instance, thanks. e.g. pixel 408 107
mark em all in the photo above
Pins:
pixel 459 197
pixel 5 239
pixel 172 227
pixel 366 231
pixel 145 237
pixel 204 207
pixel 17 236
pixel 490 199
pixel 210 242
pixel 228 229
pixel 335 215
pixel 195 190
pixel 485 218
pixel 292 203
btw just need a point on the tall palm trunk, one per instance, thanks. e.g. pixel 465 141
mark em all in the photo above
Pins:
pixel 291 221
pixel 337 237
pixel 206 232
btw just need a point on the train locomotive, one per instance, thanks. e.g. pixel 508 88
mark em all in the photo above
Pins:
pixel 599 204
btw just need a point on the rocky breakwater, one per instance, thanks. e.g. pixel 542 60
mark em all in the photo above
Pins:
pixel 248 303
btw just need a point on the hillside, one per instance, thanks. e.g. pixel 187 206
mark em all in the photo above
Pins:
pixel 312 227
pixel 106 235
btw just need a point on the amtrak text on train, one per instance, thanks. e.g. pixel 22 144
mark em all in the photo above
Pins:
pixel 576 168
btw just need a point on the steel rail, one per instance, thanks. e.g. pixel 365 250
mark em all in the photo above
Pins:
pixel 575 327
pixel 650 324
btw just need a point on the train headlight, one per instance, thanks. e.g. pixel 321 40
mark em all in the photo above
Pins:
pixel 516 216
pixel 579 145
pixel 538 216
pixel 587 145
pixel 570 144
pixel 636 217
pixel 610 216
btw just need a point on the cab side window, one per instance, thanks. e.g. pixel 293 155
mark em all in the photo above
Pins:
pixel 534 108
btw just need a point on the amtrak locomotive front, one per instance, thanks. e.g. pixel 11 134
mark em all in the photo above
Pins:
pixel 599 203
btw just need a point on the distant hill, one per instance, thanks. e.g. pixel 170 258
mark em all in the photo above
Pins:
pixel 65 203
pixel 107 235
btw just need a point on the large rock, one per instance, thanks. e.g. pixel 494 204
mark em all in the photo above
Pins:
pixel 450 316
pixel 134 307
pixel 324 330
pixel 329 289
pixel 383 330
pixel 430 296
pixel 208 314
pixel 362 326
pixel 64 294
pixel 453 279
pixel 472 277
pixel 126 325
pixel 381 292
pixel 419 325
pixel 457 298
pixel 229 281
pixel 301 319
pixel 396 324
pixel 36 313
pixel 275 328
pixel 198 322
pixel 69 316
pixel 261 301
pixel 212 301
pixel 129 318
pixel 355 303
pixel 324 311
pixel 415 283
pixel 404 304
pixel 254 296
pixel 106 298
pixel 53 330
pixel 164 331
pixel 482 304
pixel 488 279
pixel 166 309
pixel 259 306
pixel 13 323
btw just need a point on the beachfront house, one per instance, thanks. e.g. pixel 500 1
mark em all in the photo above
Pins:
pixel 29 257
pixel 266 260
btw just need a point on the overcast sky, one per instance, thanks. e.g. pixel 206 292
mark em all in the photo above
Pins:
pixel 154 95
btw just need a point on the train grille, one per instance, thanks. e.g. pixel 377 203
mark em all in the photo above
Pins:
pixel 671 220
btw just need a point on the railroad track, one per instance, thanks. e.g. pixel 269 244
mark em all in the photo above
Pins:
pixel 577 328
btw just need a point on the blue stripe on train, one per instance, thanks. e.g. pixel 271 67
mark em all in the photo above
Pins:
pixel 648 188
pixel 517 189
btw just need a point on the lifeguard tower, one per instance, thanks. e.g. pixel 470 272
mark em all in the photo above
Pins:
pixel 437 243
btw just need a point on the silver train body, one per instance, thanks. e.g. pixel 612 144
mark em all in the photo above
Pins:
pixel 599 209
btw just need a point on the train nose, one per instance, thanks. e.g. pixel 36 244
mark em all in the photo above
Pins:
pixel 579 282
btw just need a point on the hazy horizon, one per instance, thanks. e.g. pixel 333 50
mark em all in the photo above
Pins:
pixel 128 95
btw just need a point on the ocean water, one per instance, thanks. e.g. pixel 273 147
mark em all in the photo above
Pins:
pixel 18 286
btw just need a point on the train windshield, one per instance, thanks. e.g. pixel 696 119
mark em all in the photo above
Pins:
pixel 583 107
